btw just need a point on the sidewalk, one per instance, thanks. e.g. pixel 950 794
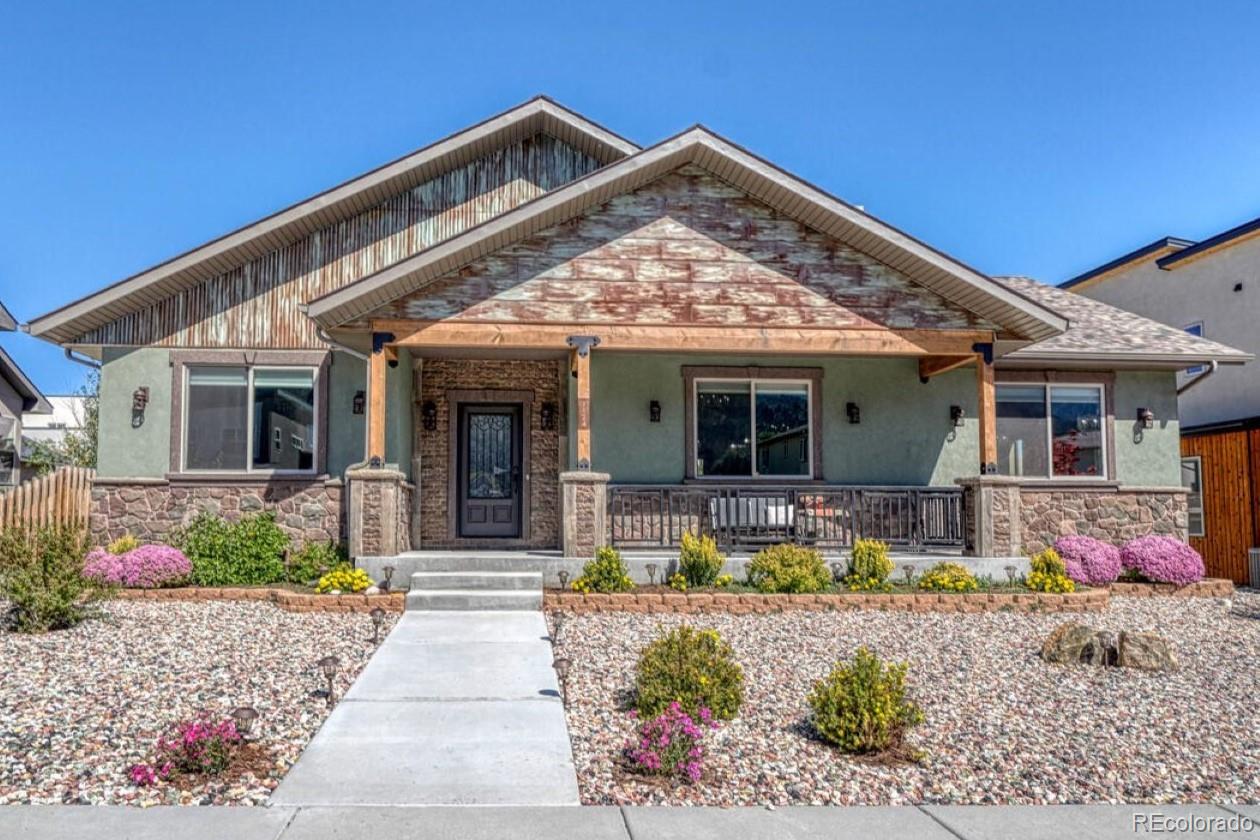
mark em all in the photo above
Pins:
pixel 1078 822
pixel 455 708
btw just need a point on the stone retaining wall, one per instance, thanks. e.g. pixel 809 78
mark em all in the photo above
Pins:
pixel 1114 516
pixel 309 510
pixel 1207 588
pixel 283 598
pixel 1092 600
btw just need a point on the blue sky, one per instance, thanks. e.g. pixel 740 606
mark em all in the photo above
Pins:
pixel 1031 138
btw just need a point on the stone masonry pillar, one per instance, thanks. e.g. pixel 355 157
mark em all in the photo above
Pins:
pixel 584 512
pixel 379 512
pixel 992 518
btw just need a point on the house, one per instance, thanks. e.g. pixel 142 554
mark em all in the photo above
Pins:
pixel 66 416
pixel 1203 287
pixel 18 397
pixel 535 334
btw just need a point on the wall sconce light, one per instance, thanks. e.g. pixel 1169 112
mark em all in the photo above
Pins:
pixel 359 404
pixel 852 411
pixel 428 413
pixel 1146 418
pixel 654 411
pixel 139 401
pixel 956 414
pixel 547 416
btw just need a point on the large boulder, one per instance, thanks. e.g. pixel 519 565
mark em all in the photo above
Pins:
pixel 1074 643
pixel 1146 651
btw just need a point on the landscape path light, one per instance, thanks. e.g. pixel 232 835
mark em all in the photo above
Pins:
pixel 328 665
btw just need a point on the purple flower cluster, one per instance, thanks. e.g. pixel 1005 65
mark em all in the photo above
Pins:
pixel 1089 561
pixel 1163 560
pixel 671 743
pixel 193 746
pixel 146 567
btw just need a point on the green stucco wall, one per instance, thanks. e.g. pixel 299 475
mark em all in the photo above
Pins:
pixel 124 450
pixel 1147 457
pixel 346 430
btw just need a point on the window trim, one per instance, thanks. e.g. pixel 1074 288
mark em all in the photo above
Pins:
pixel 1105 419
pixel 250 469
pixel 1198 459
pixel 752 381
pixel 809 377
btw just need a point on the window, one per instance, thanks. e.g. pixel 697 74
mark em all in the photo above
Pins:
pixel 1194 329
pixel 236 418
pixel 8 468
pixel 1051 431
pixel 1192 480
pixel 753 428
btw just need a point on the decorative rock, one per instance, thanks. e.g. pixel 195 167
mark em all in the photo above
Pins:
pixel 1146 651
pixel 1071 643
pixel 372 590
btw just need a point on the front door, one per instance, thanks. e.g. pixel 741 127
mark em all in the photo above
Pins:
pixel 490 470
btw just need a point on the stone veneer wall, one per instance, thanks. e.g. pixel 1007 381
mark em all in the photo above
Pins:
pixel 309 510
pixel 1114 516
pixel 437 376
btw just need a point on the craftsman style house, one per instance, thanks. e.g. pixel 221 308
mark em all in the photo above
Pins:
pixel 535 334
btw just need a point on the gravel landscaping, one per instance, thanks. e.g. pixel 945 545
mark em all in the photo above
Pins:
pixel 1001 725
pixel 79 707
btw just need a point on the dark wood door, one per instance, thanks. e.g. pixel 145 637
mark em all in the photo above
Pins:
pixel 490 471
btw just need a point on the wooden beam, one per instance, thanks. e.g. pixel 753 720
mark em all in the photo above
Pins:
pixel 377 364
pixel 930 366
pixel 987 410
pixel 582 345
pixel 794 340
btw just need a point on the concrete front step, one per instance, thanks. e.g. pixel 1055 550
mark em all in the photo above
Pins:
pixel 516 580
pixel 474 599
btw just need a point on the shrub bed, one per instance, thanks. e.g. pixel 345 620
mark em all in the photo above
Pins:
pixel 1162 560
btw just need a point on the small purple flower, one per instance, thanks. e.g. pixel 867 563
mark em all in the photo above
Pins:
pixel 1163 559
pixel 1089 561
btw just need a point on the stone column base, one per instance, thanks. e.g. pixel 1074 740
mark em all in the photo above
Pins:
pixel 992 523
pixel 584 512
pixel 379 516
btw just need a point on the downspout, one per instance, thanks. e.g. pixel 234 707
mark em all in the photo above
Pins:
pixel 323 336
pixel 1212 366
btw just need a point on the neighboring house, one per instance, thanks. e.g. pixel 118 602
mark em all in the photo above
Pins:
pixel 67 415
pixel 18 397
pixel 535 334
pixel 1205 288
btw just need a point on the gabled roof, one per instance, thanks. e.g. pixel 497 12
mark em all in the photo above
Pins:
pixel 953 280
pixel 1159 246
pixel 1222 240
pixel 7 322
pixel 1100 333
pixel 33 400
pixel 538 115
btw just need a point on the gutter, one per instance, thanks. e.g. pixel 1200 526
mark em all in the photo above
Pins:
pixel 1212 368
pixel 82 360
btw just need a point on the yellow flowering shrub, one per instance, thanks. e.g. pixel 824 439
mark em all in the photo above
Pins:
pixel 605 573
pixel 699 560
pixel 788 568
pixel 1048 573
pixel 948 577
pixel 862 707
pixel 723 580
pixel 677 581
pixel 344 579
pixel 123 544
pixel 693 667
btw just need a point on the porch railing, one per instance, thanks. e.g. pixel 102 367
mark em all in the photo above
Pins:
pixel 751 516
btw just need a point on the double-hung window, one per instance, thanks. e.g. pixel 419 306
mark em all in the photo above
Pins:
pixel 1192 480
pixel 753 428
pixel 1051 431
pixel 239 419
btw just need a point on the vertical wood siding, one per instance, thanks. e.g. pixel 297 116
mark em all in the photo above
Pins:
pixel 687 249
pixel 1230 460
pixel 256 304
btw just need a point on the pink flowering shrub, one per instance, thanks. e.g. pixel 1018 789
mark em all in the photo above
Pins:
pixel 146 567
pixel 1163 560
pixel 1089 561
pixel 197 746
pixel 671 743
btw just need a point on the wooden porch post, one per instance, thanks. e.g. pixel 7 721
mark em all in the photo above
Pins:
pixel 987 409
pixel 376 397
pixel 582 345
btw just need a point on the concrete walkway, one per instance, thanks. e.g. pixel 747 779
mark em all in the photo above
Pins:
pixel 455 708
pixel 1080 822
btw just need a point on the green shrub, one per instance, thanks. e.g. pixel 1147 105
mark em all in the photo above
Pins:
pixel 606 573
pixel 343 578
pixel 699 560
pixel 948 577
pixel 244 553
pixel 313 560
pixel 869 560
pixel 41 576
pixel 1048 573
pixel 862 707
pixel 788 568
pixel 693 667
pixel 123 544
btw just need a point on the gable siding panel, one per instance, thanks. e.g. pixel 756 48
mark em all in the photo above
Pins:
pixel 256 304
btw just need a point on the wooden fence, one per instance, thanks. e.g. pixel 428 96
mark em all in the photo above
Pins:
pixel 60 498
